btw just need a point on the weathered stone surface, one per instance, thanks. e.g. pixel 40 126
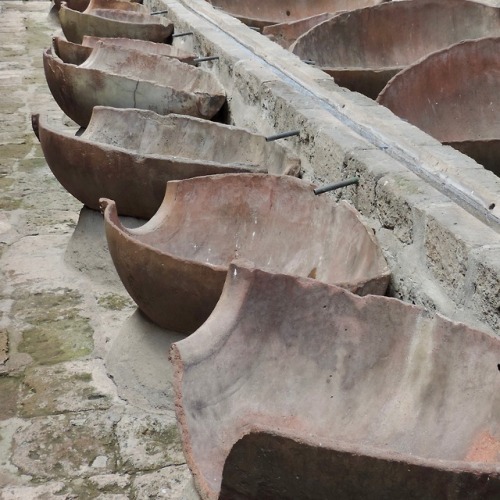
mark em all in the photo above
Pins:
pixel 168 483
pixel 67 445
pixel 41 492
pixel 68 387
pixel 4 348
pixel 148 442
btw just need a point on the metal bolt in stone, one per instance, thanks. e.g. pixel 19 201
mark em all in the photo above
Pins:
pixel 282 135
pixel 336 185
pixel 186 33
pixel 204 59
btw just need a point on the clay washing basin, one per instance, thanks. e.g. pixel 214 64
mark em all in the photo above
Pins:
pixel 128 155
pixel 365 48
pixel 126 78
pixel 75 53
pixel 114 19
pixel 453 95
pixel 391 387
pixel 285 33
pixel 261 14
pixel 175 265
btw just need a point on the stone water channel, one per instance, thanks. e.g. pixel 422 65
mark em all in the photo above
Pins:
pixel 86 409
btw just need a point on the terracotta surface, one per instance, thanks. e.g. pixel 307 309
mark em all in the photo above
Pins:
pixel 268 465
pixel 174 266
pixel 454 96
pixel 77 54
pixel 125 78
pixel 382 380
pixel 285 34
pixel 376 42
pixel 114 19
pixel 262 14
pixel 128 155
pixel 81 5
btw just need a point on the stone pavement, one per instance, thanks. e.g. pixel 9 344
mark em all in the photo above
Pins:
pixel 85 402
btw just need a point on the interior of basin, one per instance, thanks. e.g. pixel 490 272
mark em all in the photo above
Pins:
pixel 280 11
pixel 276 222
pixel 184 137
pixel 141 45
pixel 126 16
pixel 396 33
pixel 148 67
pixel 116 5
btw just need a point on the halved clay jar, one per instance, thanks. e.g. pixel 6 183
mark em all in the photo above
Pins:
pixel 286 32
pixel 126 78
pixel 114 19
pixel 453 96
pixel 129 155
pixel 175 265
pixel 298 389
pixel 261 14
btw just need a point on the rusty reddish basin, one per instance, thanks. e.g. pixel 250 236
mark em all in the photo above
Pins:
pixel 126 78
pixel 260 14
pixel 75 53
pixel 387 383
pixel 114 19
pixel 454 96
pixel 285 33
pixel 363 49
pixel 174 266
pixel 129 155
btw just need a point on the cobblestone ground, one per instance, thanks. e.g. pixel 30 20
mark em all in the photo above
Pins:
pixel 85 402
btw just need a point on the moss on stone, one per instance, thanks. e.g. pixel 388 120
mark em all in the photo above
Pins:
pixel 9 391
pixel 114 301
pixel 29 164
pixel 58 332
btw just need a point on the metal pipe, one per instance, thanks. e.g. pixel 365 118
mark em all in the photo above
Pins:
pixel 158 12
pixel 282 135
pixel 336 185
pixel 186 33
pixel 203 59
